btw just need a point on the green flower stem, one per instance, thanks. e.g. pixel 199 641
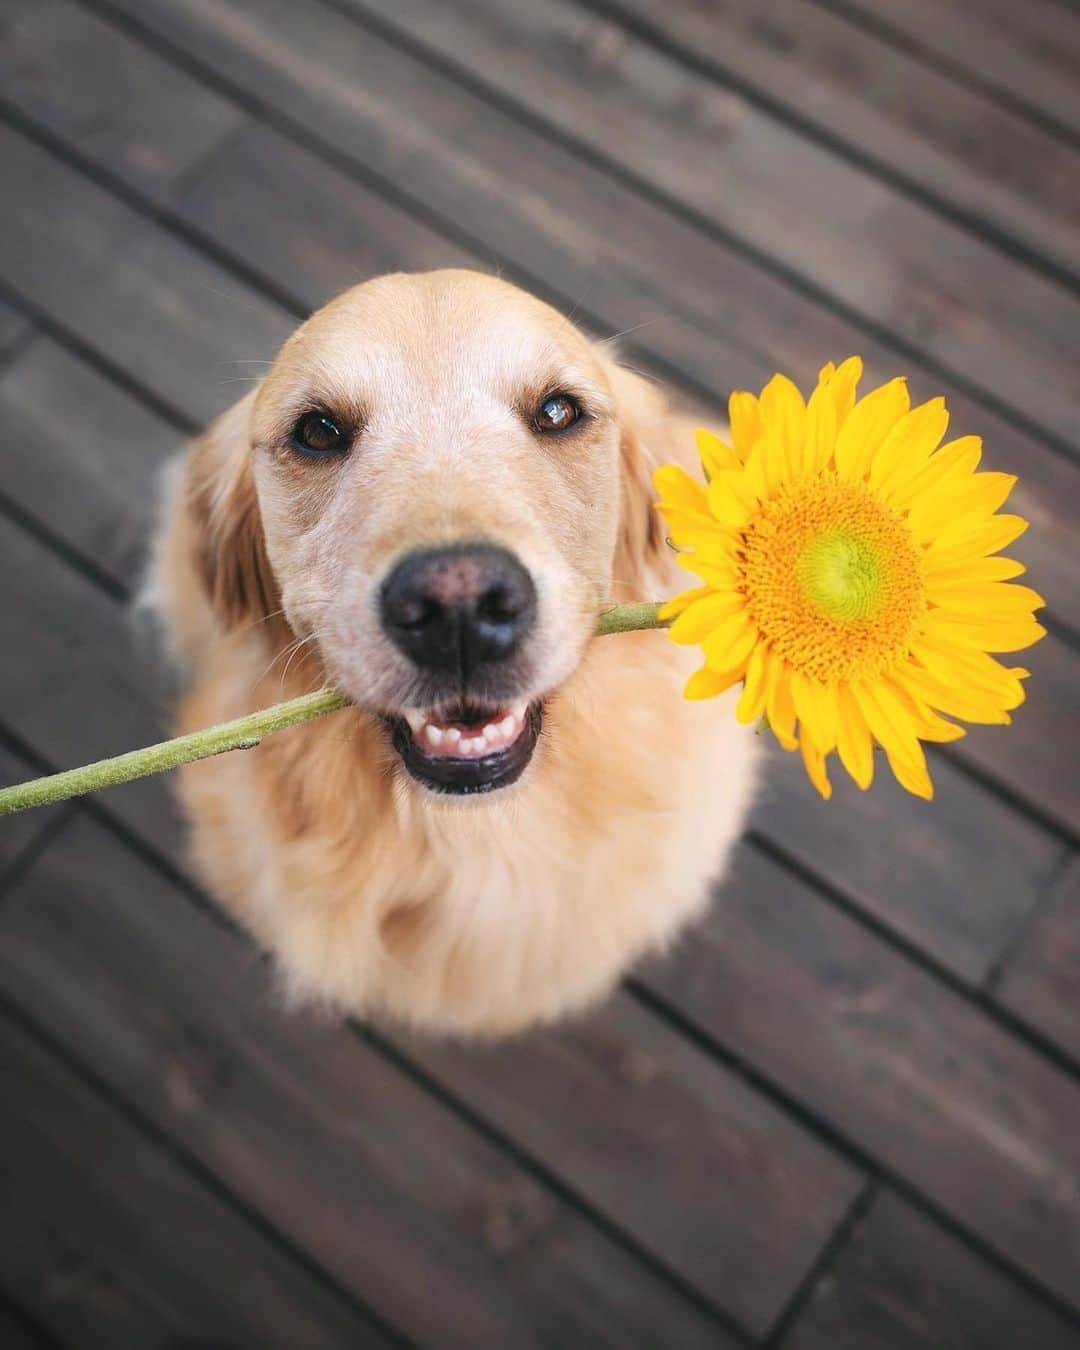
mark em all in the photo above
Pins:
pixel 242 733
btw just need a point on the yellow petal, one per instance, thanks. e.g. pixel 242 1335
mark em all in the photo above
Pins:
pixel 751 703
pixel 821 424
pixel 1000 635
pixel 952 699
pixel 910 771
pixel 744 415
pixel 988 601
pixel 814 761
pixel 891 724
pixel 866 426
pixel 964 540
pixel 972 500
pixel 715 454
pixel 784 413
pixel 779 705
pixel 910 443
pixel 678 489
pixel 670 608
pixel 854 743
pixel 843 385
pixel 945 578
pixel 707 684
pixel 729 644
pixel 953 463
pixel 699 619
pixel 730 498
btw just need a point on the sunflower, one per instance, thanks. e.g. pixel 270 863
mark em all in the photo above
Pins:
pixel 850 574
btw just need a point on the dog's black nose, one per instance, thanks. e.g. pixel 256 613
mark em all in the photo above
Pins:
pixel 457 609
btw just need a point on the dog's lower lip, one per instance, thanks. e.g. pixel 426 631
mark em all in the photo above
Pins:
pixel 478 751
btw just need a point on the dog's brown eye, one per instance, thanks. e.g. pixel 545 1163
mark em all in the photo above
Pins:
pixel 556 413
pixel 318 434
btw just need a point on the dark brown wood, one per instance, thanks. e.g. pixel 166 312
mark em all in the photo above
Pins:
pixel 175 320
pixel 14 330
pixel 107 97
pixel 113 1242
pixel 18 1332
pixel 67 424
pixel 238 202
pixel 437 1230
pixel 892 261
pixel 19 832
pixel 902 1283
pixel 852 85
pixel 1031 51
pixel 1041 980
pixel 698 1167
pixel 933 1089
pixel 957 877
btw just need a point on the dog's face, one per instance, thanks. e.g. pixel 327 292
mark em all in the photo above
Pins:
pixel 438 472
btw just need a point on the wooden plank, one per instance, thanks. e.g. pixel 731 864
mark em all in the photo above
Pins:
pixel 892 261
pixel 177 322
pixel 111 1242
pixel 632 284
pixel 702 1172
pixel 904 1283
pixel 1030 50
pixel 937 1093
pixel 18 833
pixel 17 1332
pixel 957 877
pixel 14 330
pixel 920 899
pixel 852 86
pixel 1041 980
pixel 78 691
pixel 89 83
pixel 80 430
pixel 375 1180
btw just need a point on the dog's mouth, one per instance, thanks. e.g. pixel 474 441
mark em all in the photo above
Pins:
pixel 467 748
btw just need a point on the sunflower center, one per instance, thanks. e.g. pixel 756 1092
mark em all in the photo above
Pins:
pixel 832 579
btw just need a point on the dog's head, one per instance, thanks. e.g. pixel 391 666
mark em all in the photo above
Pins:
pixel 438 484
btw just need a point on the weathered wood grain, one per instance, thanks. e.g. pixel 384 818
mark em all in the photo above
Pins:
pixel 175 321
pixel 113 1243
pixel 432 1227
pixel 634 285
pixel 892 261
pixel 938 1093
pixel 902 1283
pixel 14 330
pixel 1030 50
pixel 1041 980
pixel 712 1180
pixel 68 427
pixel 80 78
pixel 853 86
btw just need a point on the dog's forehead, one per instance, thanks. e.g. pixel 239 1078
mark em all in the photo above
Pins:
pixel 440 330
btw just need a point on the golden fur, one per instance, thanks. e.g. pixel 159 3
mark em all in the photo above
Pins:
pixel 484 914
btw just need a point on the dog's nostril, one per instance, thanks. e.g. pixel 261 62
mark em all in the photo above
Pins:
pixel 459 608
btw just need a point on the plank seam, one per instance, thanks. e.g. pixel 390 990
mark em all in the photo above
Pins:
pixel 934 60
pixel 830 1254
pixel 205 1179
pixel 847 1147
pixel 973 992
pixel 996 236
pixel 788 1104
pixel 689 215
pixel 1024 931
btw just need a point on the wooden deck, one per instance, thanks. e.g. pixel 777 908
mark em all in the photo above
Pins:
pixel 846 1115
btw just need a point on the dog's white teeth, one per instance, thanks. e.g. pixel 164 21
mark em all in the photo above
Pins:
pixel 415 719
pixel 433 734
pixel 519 709
pixel 452 735
pixel 509 724
pixel 491 732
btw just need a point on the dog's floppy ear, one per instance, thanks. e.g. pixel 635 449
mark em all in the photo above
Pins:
pixel 223 508
pixel 642 412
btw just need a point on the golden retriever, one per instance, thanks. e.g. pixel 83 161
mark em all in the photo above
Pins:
pixel 426 501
